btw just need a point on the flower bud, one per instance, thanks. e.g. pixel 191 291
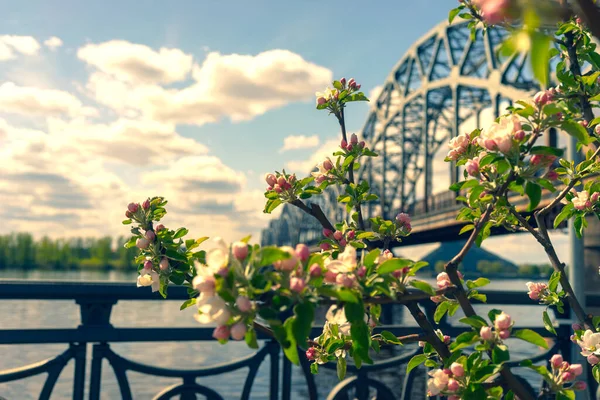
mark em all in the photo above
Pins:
pixel 277 189
pixel 159 227
pixel 580 385
pixel 315 271
pixel 403 219
pixel 362 144
pixel 421 343
pixel 330 277
pixel 358 86
pixel 148 264
pixel 327 232
pixel 146 204
pixel 556 360
pixel 567 376
pixel 593 359
pixel 361 272
pixel 238 331
pixel 351 235
pixel 325 246
pixel 505 334
pixel 243 304
pixel 502 321
pixel 164 264
pixel 239 250
pixel 343 81
pixel 281 181
pixel 397 274
pixel 519 135
pixel 302 252
pixel 150 235
pixel 327 165
pixel 576 369
pixel 349 147
pixel 552 175
pixel 540 98
pixel 345 280
pixel 321 101
pixel 221 332
pixel 133 207
pixel 576 327
pixel 343 144
pixel 142 243
pixel 594 197
pixel 447 339
pixel 343 242
pixel 311 353
pixel 352 83
pixel 297 285
pixel 270 179
pixel 354 139
pixel 583 123
pixel 597 129
pixel 453 385
pixel 457 369
pixel 486 333
pixel 536 159
pixel 128 214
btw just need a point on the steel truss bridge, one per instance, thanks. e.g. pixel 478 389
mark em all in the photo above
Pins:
pixel 443 86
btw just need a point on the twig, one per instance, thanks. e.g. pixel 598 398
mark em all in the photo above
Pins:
pixel 430 336
pixel 314 210
pixel 413 338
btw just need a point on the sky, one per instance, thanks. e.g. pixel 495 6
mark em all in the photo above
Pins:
pixel 104 103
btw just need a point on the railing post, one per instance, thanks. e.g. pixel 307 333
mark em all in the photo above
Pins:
pixel 79 377
pixel 96 372
pixel 274 373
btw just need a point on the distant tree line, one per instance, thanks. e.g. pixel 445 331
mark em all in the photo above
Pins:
pixel 500 268
pixel 21 251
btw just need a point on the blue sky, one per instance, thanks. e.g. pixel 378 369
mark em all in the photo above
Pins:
pixel 103 103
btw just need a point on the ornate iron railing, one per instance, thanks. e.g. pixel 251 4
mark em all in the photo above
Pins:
pixel 96 301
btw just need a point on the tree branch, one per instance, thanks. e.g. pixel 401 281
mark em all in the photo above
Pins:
pixel 590 15
pixel 314 210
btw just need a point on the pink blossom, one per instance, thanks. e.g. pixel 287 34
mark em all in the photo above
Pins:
pixel 472 166
pixel 594 197
pixel 568 376
pixel 458 145
pixel 351 235
pixel 576 327
pixel 221 332
pixel 150 235
pixel 453 385
pixel 552 175
pixel 454 397
pixel 361 272
pixel 325 246
pixel 148 264
pixel 337 235
pixel 321 101
pixel 493 11
pixel 403 219
pixel 281 181
pixel 239 250
pixel 436 299
pixel 354 139
pixel 486 333
pixel 302 252
pixel 315 271
pixel 502 321
pixel 345 280
pixel 505 334
pixel 556 360
pixel 535 159
pixel 343 81
pixel 343 144
pixel 536 289
pixel 277 189
pixel 142 243
pixel 331 276
pixel 520 135
pixel 581 200
pixel 270 179
pixel 297 285
pixel 327 232
pixel 362 144
pixel 128 214
pixel 164 264
pixel 580 385
pixel 583 123
pixel 288 264
pixel 593 360
pixel 146 204
pixel 457 369
pixel 159 227
pixel 311 353
pixel 597 129
pixel 343 242
pixel 443 280
pixel 238 331
pixel 447 339
pixel 542 98
pixel 133 207
pixel 243 303
pixel 576 369
pixel 204 284
pixel 499 135
pixel 352 83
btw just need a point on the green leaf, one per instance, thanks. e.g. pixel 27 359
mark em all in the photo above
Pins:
pixel 500 354
pixel 127 222
pixel 453 13
pixel 179 233
pixel 341 368
pixel 314 368
pixel 424 286
pixel 534 192
pixel 596 372
pixel 360 341
pixel 188 303
pixel 565 395
pixel 251 339
pixel 440 311
pixel 465 339
pixel 553 281
pixel 548 323
pixel 304 315
pixel 415 362
pixel 577 131
pixel 493 313
pixel 270 254
pixel 479 282
pixel 175 255
pixel 370 258
pixel 540 44
pixel 466 228
pixel 389 337
pixel 347 161
pixel 565 213
pixel 392 265
pixel 338 85
pixel 271 205
pixel 354 311
pixel 475 321
pixel 291 350
pixel 545 150
pixel 530 336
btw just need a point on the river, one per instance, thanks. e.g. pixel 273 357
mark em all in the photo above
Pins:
pixel 65 314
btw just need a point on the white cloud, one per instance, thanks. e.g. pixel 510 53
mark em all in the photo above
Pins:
pixel 29 100
pixel 374 93
pixel 239 87
pixel 137 63
pixel 299 142
pixel 307 165
pixel 53 43
pixel 11 45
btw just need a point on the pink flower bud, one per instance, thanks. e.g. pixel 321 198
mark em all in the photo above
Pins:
pixel 269 188
pixel 337 235
pixel 277 189
pixel 472 167
pixel 594 197
pixel 358 86
pixel 583 123
pixel 397 274
pixel 519 135
pixel 142 243
pixel 150 235
pixel 453 385
pixel 327 232
pixel 321 101
pixel 421 343
pixel 128 214
pixel 223 271
pixel 457 369
pixel 486 333
pixel 330 277
pixel 552 175
pixel 311 353
pixel 567 376
pixel 351 235
pixel 270 179
pixel 146 204
pixel 597 129
pixel 436 299
pixel 345 280
pixel 580 385
pixel 343 242
pixel 352 83
pixel 164 264
pixel 297 285
pixel 239 250
pixel 221 332
pixel 540 98
pixel 325 246
pixel 593 360
pixel 159 227
pixel 327 165
pixel 133 207
pixel 320 179
pixel 405 270
pixel 576 327
pixel 349 147
pixel 502 321
pixel 354 139
pixel 576 369
pixel 361 272
pixel 243 304
pixel 403 219
pixel 344 144
pixel 578 21
pixel 343 81
pixel 536 159
pixel 556 360
pixel 281 181
pixel 505 334
pixel 315 271
pixel 148 264
pixel 447 339
pixel 238 331
pixel 302 252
